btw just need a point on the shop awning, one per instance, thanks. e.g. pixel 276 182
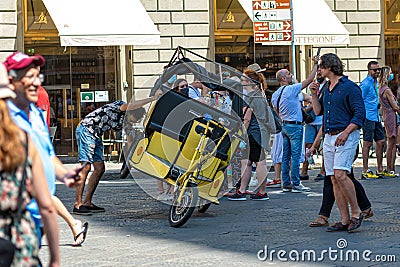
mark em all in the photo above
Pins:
pixel 314 23
pixel 102 23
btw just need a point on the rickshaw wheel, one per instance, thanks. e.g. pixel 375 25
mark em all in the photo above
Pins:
pixel 180 213
pixel 124 171
pixel 203 206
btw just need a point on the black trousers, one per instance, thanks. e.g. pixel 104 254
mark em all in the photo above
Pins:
pixel 328 197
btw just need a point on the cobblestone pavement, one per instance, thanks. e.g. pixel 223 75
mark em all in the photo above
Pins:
pixel 134 230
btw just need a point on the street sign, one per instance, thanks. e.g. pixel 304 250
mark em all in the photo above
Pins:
pixel 266 37
pixel 272 22
pixel 285 25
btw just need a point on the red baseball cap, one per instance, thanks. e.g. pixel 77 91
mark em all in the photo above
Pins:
pixel 19 60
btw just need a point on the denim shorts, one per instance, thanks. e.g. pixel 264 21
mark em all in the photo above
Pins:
pixel 90 148
pixel 310 133
pixel 372 130
pixel 340 157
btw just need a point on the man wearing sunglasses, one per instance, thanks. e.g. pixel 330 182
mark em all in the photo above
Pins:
pixel 372 127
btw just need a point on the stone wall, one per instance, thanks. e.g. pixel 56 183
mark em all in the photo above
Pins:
pixel 8 27
pixel 363 19
pixel 183 23
pixel 188 23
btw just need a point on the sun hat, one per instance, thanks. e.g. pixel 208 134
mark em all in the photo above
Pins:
pixel 255 67
pixel 5 91
pixel 19 60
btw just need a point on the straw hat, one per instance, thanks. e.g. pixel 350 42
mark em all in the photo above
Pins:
pixel 255 67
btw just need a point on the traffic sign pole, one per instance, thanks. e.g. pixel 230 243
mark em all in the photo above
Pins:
pixel 293 46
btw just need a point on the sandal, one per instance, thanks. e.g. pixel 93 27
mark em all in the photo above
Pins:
pixel 318 223
pixel 368 213
pixel 82 233
pixel 355 223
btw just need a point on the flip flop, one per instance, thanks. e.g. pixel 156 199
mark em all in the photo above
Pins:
pixel 83 232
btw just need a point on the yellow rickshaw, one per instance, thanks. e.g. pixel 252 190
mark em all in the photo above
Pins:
pixel 186 142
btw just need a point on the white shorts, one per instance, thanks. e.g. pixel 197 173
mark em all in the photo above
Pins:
pixel 340 157
pixel 277 149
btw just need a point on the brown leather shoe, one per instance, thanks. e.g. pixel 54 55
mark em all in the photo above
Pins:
pixel 339 226
pixel 355 223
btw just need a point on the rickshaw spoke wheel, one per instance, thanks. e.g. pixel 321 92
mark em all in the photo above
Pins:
pixel 180 213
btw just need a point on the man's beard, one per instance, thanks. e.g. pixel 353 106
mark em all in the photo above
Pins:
pixel 293 81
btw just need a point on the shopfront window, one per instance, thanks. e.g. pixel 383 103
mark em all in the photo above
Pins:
pixel 38 25
pixel 234 42
pixel 241 54
pixel 78 81
pixel 230 15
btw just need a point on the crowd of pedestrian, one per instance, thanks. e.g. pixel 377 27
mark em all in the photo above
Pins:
pixel 339 107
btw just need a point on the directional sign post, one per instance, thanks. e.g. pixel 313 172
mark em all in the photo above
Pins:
pixel 272 22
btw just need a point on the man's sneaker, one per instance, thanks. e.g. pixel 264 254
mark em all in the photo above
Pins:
pixel 253 182
pixel 238 196
pixel 320 177
pixel 287 188
pixel 387 174
pixel 369 175
pixel 300 188
pixel 94 208
pixel 273 183
pixel 305 177
pixel 259 196
pixel 82 210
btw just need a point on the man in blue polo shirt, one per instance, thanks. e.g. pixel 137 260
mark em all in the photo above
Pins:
pixel 344 114
pixel 286 101
pixel 372 128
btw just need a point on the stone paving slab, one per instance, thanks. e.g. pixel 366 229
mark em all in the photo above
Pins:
pixel 134 230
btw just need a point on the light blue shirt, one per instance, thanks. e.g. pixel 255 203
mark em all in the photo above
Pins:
pixel 370 97
pixel 289 106
pixel 36 128
pixel 194 92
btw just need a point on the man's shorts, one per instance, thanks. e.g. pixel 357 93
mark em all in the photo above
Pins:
pixel 90 148
pixel 372 130
pixel 310 133
pixel 340 157
pixel 277 149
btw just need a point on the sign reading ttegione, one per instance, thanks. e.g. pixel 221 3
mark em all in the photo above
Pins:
pixel 272 22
